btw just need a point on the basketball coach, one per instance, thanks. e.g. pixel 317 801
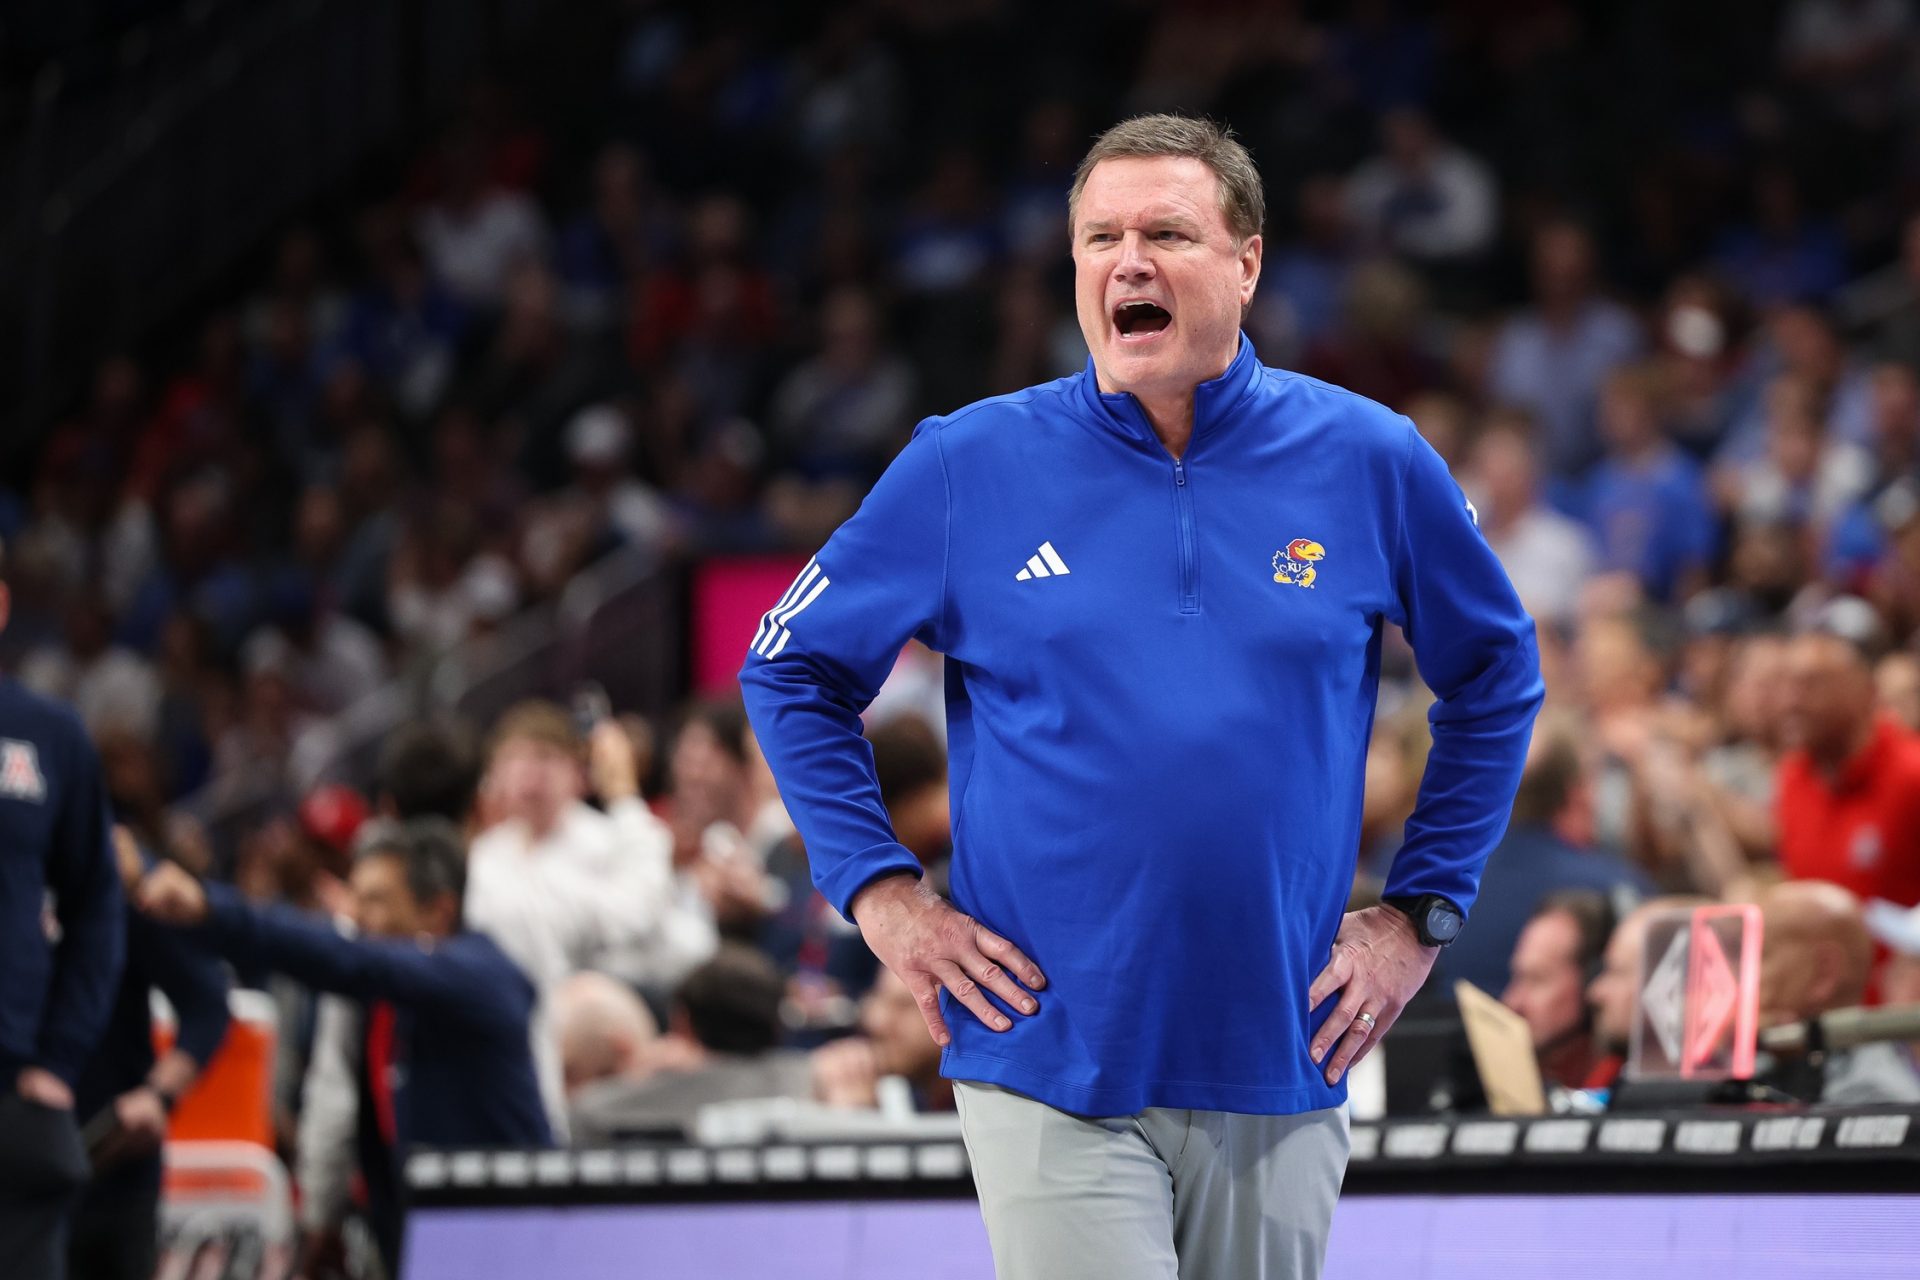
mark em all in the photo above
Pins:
pixel 1161 586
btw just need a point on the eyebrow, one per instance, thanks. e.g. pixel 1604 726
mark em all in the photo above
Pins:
pixel 1178 221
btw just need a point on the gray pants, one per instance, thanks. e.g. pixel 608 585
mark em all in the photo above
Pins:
pixel 1162 1195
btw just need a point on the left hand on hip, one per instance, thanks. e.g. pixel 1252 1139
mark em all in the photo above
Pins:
pixel 1377 965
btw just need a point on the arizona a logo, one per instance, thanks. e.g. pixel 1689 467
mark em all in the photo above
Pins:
pixel 20 777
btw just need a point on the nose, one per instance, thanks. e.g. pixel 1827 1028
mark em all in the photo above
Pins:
pixel 1135 264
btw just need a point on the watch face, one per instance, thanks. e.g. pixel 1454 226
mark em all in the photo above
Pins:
pixel 1443 923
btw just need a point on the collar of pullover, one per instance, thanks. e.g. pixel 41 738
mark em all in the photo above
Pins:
pixel 1214 401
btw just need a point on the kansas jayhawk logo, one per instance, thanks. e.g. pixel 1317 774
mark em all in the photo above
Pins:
pixel 1294 566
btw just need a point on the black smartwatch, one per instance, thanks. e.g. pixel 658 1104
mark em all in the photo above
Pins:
pixel 1436 920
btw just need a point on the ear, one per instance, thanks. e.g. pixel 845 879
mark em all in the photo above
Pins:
pixel 442 915
pixel 1250 258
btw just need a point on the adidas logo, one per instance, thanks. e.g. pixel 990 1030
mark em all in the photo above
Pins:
pixel 1045 563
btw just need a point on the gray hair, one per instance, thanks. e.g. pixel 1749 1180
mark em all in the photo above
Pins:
pixel 430 849
pixel 1243 199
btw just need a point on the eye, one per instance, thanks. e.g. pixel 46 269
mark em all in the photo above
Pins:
pixel 1168 235
pixel 1100 237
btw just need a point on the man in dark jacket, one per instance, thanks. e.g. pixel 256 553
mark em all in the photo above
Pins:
pixel 58 968
pixel 446 1059
pixel 127 1092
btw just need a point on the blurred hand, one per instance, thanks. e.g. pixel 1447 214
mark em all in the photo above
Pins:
pixel 334 895
pixel 1378 964
pixel 612 766
pixel 172 896
pixel 37 1084
pixel 140 1126
pixel 735 888
pixel 322 1253
pixel 929 945
pixel 126 858
pixel 845 1073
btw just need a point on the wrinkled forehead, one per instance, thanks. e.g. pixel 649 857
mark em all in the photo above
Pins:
pixel 1129 191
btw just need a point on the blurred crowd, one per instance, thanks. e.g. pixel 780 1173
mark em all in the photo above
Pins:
pixel 1647 276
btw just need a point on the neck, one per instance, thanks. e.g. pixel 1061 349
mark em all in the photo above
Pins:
pixel 1172 420
pixel 1832 762
pixel 1569 1059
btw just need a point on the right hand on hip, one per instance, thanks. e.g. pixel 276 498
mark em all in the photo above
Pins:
pixel 929 945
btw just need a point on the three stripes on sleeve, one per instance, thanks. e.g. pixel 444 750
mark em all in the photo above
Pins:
pixel 772 635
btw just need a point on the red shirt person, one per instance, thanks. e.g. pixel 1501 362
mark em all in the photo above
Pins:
pixel 1848 799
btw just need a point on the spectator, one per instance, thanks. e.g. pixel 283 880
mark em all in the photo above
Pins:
pixel 1613 994
pixel 1423 197
pixel 1647 502
pixel 1377 350
pixel 621 234
pixel 1305 279
pixel 843 411
pixel 720 1047
pixel 604 1030
pixel 129 1092
pixel 1782 255
pixel 1849 787
pixel 1554 358
pixel 1555 958
pixel 1803 341
pixel 1815 957
pixel 111 686
pixel 1803 478
pixel 893 1042
pixel 446 1059
pixel 476 234
pixel 405 327
pixel 429 769
pixel 1542 854
pixel 1548 555
pixel 565 886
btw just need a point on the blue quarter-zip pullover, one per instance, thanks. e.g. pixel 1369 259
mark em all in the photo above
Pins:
pixel 1161 679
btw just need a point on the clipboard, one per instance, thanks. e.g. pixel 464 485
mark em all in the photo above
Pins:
pixel 1502 1053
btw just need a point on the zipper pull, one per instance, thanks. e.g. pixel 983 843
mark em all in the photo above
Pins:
pixel 1180 473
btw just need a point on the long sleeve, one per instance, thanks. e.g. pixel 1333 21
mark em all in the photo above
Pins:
pixel 823 651
pixel 1477 651
pixel 86 885
pixel 195 983
pixel 444 977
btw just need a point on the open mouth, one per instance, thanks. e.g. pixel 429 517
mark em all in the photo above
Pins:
pixel 1140 321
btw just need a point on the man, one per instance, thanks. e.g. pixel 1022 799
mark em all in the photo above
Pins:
pixel 1554 960
pixel 1613 995
pixel 1548 555
pixel 1161 587
pixel 563 886
pixel 128 1092
pixel 427 769
pixel 892 1042
pixel 56 984
pixel 721 1046
pixel 603 1029
pixel 445 1060
pixel 1816 956
pixel 1540 855
pixel 1848 797
pixel 1553 357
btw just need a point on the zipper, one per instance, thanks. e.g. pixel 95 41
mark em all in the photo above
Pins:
pixel 1189 555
